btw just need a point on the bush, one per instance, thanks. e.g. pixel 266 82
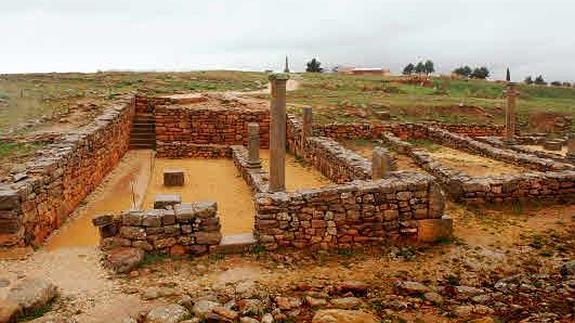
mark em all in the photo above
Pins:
pixel 480 73
pixel 314 66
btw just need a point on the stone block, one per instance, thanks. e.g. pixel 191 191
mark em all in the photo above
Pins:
pixel 9 199
pixel 164 201
pixel 152 218
pixel 208 238
pixel 174 177
pixel 431 230
pixel 10 225
pixel 554 145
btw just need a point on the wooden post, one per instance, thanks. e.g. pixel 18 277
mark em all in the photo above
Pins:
pixel 278 132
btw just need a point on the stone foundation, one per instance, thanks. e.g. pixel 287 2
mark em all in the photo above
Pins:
pixel 185 228
pixel 556 186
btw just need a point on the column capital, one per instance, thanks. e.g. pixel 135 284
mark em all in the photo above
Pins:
pixel 278 77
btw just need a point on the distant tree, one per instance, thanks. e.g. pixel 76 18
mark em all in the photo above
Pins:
pixel 566 84
pixel 528 80
pixel 480 73
pixel 540 81
pixel 556 83
pixel 429 67
pixel 463 71
pixel 314 66
pixel 408 70
pixel 419 68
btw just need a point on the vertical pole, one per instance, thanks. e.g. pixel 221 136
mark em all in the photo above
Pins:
pixel 571 147
pixel 510 113
pixel 307 126
pixel 254 145
pixel 380 163
pixel 278 132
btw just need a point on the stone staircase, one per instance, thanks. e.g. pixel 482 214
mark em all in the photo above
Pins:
pixel 143 131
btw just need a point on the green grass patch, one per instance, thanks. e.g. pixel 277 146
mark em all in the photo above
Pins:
pixel 153 258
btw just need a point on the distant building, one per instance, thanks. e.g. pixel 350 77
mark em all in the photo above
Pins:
pixel 363 70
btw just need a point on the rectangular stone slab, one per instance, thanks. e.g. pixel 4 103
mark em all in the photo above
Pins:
pixel 163 201
pixel 173 177
pixel 432 230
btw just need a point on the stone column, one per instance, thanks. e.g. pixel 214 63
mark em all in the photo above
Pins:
pixel 571 147
pixel 278 132
pixel 380 163
pixel 254 145
pixel 307 126
pixel 510 113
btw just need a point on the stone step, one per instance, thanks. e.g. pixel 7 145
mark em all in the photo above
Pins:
pixel 141 146
pixel 236 243
pixel 142 140
pixel 143 124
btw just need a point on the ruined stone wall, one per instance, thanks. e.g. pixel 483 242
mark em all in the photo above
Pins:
pixel 185 228
pixel 473 146
pixel 181 130
pixel 256 178
pixel 62 175
pixel 402 130
pixel 555 186
pixel 350 215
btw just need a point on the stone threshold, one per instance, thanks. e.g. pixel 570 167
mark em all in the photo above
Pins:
pixel 235 243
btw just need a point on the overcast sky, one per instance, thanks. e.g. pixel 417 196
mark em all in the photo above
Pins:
pixel 531 36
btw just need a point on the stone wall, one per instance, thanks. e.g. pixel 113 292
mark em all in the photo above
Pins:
pixel 185 228
pixel 356 213
pixel 350 215
pixel 63 174
pixel 554 186
pixel 402 130
pixel 180 130
pixel 473 146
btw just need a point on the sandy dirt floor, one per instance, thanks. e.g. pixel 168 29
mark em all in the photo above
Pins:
pixel 209 179
pixel 473 165
pixel 365 149
pixel 562 152
pixel 298 175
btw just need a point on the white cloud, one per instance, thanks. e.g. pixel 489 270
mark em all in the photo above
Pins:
pixel 532 37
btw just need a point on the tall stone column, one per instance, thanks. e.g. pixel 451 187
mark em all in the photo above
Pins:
pixel 380 163
pixel 510 117
pixel 307 126
pixel 278 132
pixel 571 147
pixel 254 145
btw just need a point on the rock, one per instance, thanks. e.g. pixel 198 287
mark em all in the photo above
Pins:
pixel 172 313
pixel 433 298
pixel 250 306
pixel 568 268
pixel 346 303
pixel 9 310
pixel 28 295
pixel 157 292
pixel 123 260
pixel 225 313
pixel 468 291
pixel 187 302
pixel 203 308
pixel 315 302
pixel 287 303
pixel 355 287
pixel 340 316
pixel 248 320
pixel 486 319
pixel 267 318
pixel 411 287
